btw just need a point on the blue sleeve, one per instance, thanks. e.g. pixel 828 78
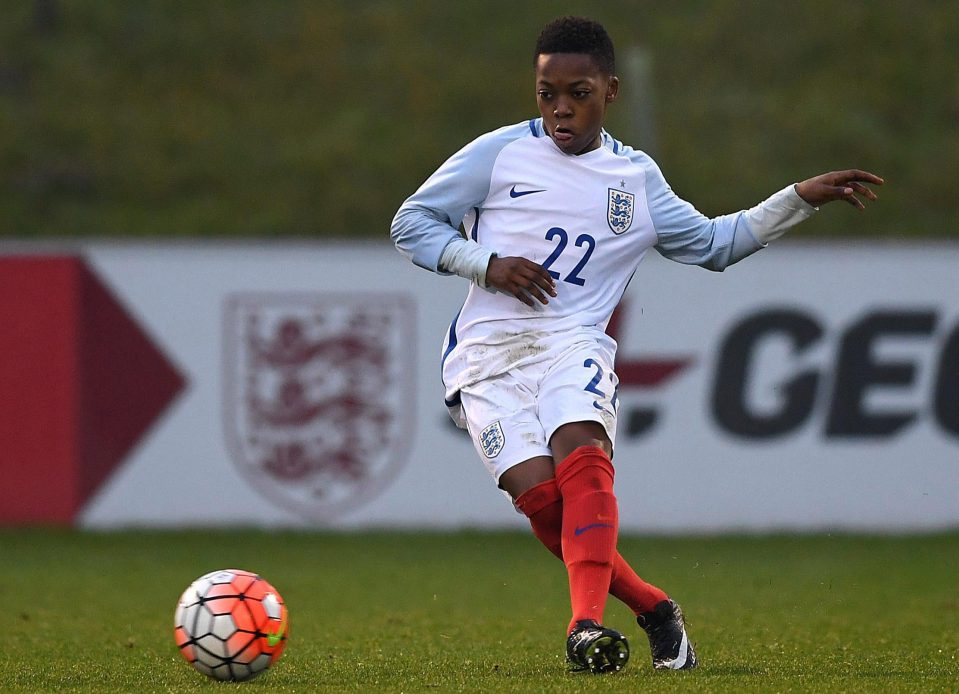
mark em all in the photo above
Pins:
pixel 430 218
pixel 684 233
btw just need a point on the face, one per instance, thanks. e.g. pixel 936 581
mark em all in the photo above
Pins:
pixel 572 94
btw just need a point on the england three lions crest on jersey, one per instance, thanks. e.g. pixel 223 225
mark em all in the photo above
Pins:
pixel 317 395
pixel 619 210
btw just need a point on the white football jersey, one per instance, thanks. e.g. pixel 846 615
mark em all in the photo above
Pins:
pixel 588 219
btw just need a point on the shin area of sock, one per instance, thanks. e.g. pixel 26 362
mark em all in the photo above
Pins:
pixel 626 586
pixel 543 505
pixel 589 530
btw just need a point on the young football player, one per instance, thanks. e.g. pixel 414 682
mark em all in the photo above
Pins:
pixel 557 216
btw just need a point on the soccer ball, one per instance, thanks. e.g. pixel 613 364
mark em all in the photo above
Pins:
pixel 230 625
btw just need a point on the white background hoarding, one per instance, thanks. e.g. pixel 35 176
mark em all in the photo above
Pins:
pixel 809 387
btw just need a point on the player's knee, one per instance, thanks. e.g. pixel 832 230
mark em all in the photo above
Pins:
pixel 538 498
pixel 570 437
pixel 588 469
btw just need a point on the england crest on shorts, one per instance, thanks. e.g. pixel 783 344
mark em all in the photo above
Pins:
pixel 619 210
pixel 318 395
pixel 492 439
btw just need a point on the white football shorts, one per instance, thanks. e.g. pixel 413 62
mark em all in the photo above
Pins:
pixel 511 417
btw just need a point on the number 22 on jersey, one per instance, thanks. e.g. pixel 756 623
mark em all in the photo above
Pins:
pixel 582 241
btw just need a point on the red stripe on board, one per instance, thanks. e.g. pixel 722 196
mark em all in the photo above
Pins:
pixel 80 383
pixel 38 389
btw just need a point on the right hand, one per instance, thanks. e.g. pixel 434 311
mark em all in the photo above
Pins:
pixel 520 277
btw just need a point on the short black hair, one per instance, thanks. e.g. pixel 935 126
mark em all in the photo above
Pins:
pixel 577 35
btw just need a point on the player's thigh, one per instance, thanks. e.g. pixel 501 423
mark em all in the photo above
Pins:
pixel 580 387
pixel 522 477
pixel 502 421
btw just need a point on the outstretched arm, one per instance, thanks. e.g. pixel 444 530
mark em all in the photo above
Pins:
pixel 839 185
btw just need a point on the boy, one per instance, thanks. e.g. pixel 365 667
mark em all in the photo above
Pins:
pixel 558 216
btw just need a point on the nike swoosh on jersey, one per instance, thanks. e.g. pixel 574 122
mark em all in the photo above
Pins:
pixel 513 193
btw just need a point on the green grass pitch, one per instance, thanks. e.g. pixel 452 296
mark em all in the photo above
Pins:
pixel 482 612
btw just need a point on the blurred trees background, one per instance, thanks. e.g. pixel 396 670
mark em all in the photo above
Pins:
pixel 246 118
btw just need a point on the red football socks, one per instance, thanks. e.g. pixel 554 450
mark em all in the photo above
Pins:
pixel 543 505
pixel 590 527
pixel 627 586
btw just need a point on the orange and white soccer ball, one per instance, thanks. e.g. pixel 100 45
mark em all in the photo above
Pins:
pixel 231 624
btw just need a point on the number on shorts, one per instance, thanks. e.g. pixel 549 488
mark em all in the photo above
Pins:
pixel 592 386
pixel 597 377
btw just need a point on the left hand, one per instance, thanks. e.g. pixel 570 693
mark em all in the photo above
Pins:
pixel 839 185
